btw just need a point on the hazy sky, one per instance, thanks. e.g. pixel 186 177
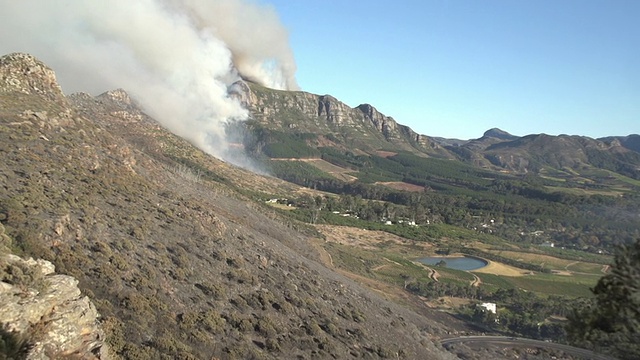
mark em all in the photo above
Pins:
pixel 457 68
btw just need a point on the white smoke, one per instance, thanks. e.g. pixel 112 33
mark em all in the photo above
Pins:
pixel 250 35
pixel 175 57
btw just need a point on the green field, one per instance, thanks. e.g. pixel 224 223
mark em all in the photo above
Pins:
pixel 555 285
pixel 552 262
pixel 392 262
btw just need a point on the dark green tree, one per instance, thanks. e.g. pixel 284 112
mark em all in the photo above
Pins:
pixel 441 263
pixel 611 323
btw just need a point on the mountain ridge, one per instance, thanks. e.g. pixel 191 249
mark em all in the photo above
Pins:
pixel 334 111
pixel 163 238
pixel 365 130
pixel 182 256
pixel 327 115
pixel 499 134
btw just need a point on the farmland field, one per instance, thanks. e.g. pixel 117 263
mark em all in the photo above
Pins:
pixel 399 185
pixel 390 258
pixel 552 262
pixel 324 166
pixel 556 285
pixel 334 170
pixel 497 268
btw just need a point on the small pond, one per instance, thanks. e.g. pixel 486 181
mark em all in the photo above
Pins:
pixel 459 263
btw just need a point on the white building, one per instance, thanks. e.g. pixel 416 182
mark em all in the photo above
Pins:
pixel 490 307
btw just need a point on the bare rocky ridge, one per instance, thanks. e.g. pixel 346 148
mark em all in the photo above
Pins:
pixel 328 115
pixel 46 312
pixel 178 260
pixel 24 73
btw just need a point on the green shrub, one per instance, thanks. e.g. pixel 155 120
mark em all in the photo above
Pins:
pixel 21 275
pixel 265 326
pixel 215 291
pixel 272 344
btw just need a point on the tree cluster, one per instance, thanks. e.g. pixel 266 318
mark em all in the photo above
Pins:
pixel 611 322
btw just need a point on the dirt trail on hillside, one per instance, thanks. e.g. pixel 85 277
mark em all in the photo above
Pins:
pixel 385 265
pixel 476 280
pixel 325 258
pixel 570 264
pixel 433 273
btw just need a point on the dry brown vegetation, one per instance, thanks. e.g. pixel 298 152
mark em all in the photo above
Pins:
pixel 167 243
pixel 367 239
pixel 502 269
pixel 338 172
pixel 386 153
pixel 399 185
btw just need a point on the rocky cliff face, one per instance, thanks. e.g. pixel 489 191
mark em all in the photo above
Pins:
pixel 384 124
pixel 44 315
pixel 362 126
pixel 25 74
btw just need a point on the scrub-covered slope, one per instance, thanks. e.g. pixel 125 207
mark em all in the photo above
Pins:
pixel 165 242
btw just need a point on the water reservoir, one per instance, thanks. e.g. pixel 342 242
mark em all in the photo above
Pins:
pixel 465 263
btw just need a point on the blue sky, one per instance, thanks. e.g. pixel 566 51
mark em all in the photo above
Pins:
pixel 457 68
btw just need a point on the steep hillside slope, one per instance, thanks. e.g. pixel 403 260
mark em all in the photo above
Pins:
pixel 631 142
pixel 363 127
pixel 162 238
pixel 535 152
pixel 472 151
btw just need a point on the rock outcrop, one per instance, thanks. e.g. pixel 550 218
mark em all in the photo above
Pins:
pixel 362 126
pixel 43 314
pixel 25 74
pixel 384 124
pixel 53 319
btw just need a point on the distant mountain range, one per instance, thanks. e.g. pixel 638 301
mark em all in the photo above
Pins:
pixel 325 122
pixel 182 257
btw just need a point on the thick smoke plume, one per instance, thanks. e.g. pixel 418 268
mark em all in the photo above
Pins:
pixel 175 57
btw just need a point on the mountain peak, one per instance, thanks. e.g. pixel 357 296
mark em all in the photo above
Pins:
pixel 25 74
pixel 120 99
pixel 499 134
pixel 117 95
